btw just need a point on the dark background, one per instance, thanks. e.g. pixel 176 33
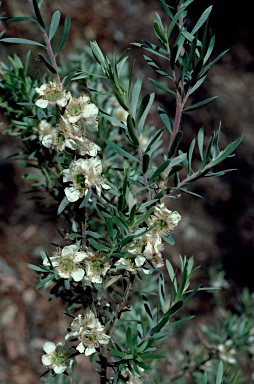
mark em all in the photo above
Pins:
pixel 217 230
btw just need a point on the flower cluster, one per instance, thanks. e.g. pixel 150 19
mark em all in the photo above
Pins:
pixel 89 332
pixel 149 246
pixel 71 262
pixel 78 115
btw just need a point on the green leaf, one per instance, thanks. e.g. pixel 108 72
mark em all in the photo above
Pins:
pixel 17 19
pixel 162 87
pixel 47 63
pixel 146 161
pixel 135 96
pixel 63 205
pixel 154 139
pixel 205 378
pixel 219 375
pixel 200 104
pixel 175 144
pixel 169 239
pixel 151 356
pixel 159 170
pixel 38 15
pixel 113 120
pixel 120 151
pixel 98 246
pixel 54 24
pixel 175 20
pixel 131 130
pixel 66 28
pixel 36 268
pixel 202 20
pixel 160 35
pixel 166 317
pixel 86 199
pixel 142 218
pixel 16 40
pixel 44 281
pixel 226 152
pixel 166 120
pixel 201 141
pixel 144 108
pixel 166 9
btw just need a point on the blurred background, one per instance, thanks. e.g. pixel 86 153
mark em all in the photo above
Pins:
pixel 218 230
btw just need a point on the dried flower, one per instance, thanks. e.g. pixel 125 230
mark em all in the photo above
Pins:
pixel 51 94
pixel 67 135
pixel 83 174
pixel 67 262
pixel 164 220
pixel 150 246
pixel 131 263
pixel 57 356
pixel 132 377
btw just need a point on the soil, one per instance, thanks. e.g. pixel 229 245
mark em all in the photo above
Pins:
pixel 217 230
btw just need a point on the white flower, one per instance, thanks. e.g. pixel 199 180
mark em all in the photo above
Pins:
pixel 150 246
pixel 91 339
pixel 226 352
pixel 67 262
pixel 131 263
pixel 51 94
pixel 89 331
pixel 67 135
pixel 44 128
pixel 57 356
pixel 83 174
pixel 164 219
pixel 81 108
pixel 97 266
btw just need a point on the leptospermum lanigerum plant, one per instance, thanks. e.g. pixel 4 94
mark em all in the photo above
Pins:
pixel 113 177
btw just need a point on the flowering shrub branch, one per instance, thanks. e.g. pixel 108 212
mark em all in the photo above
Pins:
pixel 110 176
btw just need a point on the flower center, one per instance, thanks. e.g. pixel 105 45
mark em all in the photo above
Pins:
pixel 97 266
pixel 59 358
pixel 66 265
pixel 81 180
pixel 53 95
pixel 89 339
pixel 74 109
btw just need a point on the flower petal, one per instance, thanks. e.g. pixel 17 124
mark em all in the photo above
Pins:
pixel 42 103
pixel 72 194
pixel 49 347
pixel 78 274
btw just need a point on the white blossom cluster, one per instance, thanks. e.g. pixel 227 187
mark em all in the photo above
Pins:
pixel 78 114
pixel 71 262
pixel 89 332
pixel 149 246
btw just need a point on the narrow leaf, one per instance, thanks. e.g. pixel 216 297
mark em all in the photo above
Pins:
pixel 159 170
pixel 66 28
pixel 162 87
pixel 200 104
pixel 38 14
pixel 135 96
pixel 120 151
pixel 16 40
pixel 63 205
pixel 54 24
pixel 202 20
